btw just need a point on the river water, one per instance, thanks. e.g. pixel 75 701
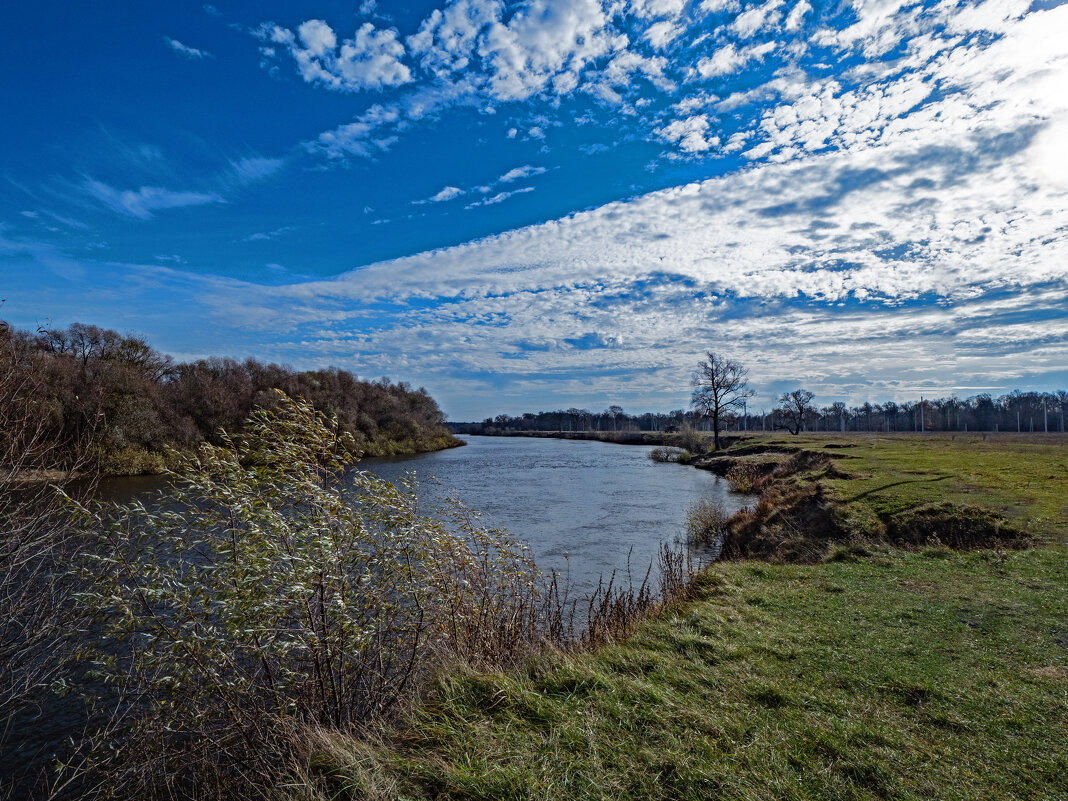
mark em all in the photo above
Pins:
pixel 581 506
pixel 584 508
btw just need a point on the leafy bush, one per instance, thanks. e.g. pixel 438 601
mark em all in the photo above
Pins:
pixel 276 589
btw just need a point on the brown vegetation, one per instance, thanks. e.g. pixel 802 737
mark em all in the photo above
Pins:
pixel 140 402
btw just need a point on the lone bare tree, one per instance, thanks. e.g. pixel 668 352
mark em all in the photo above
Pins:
pixel 719 385
pixel 794 408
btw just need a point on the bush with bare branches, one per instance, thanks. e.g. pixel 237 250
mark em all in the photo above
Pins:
pixel 35 610
pixel 276 586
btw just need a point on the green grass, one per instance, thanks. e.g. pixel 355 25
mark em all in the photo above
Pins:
pixel 882 674
pixel 903 676
pixel 1024 478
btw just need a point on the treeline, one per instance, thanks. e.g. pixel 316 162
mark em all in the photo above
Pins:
pixel 1016 411
pixel 113 399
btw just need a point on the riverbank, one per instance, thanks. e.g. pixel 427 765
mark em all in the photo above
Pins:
pixel 907 671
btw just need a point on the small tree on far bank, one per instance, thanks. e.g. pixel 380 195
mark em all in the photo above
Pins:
pixel 720 385
pixel 794 408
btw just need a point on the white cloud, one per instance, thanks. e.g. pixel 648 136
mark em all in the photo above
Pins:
pixel 691 134
pixel 694 102
pixel 184 50
pixel 797 15
pixel 546 43
pixel 623 65
pixel 447 193
pixel 729 59
pixel 369 60
pixel 718 6
pixel 255 168
pixel 652 9
pixel 738 99
pixel 266 236
pixel 499 197
pixel 927 214
pixel 446 39
pixel 520 172
pixel 364 137
pixel 514 174
pixel 661 34
pixel 142 202
pixel 757 18
pixel 878 27
pixel 1011 83
pixel 1048 155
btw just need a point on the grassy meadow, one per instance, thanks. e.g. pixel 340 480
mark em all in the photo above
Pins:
pixel 1025 478
pixel 877 672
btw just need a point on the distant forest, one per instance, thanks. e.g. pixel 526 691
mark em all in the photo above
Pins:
pixel 1017 411
pixel 110 398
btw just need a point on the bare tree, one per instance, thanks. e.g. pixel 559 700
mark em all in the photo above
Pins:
pixel 719 385
pixel 794 408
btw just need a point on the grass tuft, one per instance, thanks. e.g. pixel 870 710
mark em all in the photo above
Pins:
pixel 706 520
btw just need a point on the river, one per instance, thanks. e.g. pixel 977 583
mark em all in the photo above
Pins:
pixel 581 506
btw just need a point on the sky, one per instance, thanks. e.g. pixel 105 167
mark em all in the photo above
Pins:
pixel 554 203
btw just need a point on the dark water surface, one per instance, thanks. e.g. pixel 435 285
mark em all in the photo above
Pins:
pixel 582 507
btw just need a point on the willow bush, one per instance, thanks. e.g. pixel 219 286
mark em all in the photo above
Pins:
pixel 275 587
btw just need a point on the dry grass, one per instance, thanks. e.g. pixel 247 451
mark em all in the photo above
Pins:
pixel 706 521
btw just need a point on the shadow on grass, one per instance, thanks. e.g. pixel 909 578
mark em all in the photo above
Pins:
pixel 874 490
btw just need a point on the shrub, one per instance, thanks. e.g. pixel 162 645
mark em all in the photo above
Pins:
pixel 665 453
pixel 276 590
pixel 706 520
pixel 690 440
pixel 132 461
pixel 745 477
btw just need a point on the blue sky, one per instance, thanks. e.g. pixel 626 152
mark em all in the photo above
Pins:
pixel 545 204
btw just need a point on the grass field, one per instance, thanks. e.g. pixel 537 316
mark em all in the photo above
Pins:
pixel 903 674
pixel 1024 478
